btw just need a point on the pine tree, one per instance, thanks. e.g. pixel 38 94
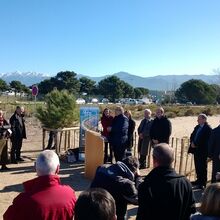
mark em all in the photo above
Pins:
pixel 60 110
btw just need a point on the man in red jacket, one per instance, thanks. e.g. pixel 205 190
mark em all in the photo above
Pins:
pixel 44 197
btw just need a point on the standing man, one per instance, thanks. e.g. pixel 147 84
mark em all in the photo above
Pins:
pixel 199 147
pixel 161 128
pixel 119 133
pixel 44 197
pixel 164 194
pixel 18 133
pixel 144 138
pixel 214 152
pixel 131 128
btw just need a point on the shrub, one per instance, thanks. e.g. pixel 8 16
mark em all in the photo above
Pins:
pixel 189 112
pixel 60 110
pixel 208 111
pixel 170 114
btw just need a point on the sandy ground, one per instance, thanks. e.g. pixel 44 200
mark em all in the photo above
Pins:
pixel 71 174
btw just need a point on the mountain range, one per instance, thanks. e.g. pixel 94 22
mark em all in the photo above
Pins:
pixel 160 82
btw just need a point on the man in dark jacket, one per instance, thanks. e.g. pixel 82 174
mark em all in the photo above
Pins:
pixel 214 152
pixel 121 181
pixel 199 147
pixel 18 133
pixel 164 194
pixel 144 141
pixel 161 128
pixel 44 197
pixel 119 133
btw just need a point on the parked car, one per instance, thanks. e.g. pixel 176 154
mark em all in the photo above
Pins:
pixel 104 100
pixel 94 100
pixel 141 101
pixel 130 102
pixel 80 101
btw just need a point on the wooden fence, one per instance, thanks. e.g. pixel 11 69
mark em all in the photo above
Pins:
pixel 64 139
pixel 183 162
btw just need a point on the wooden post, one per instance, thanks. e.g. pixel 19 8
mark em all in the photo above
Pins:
pixel 175 159
pixel 135 143
pixel 56 143
pixel 43 140
pixel 69 140
pixel 181 157
pixel 61 134
pixel 172 140
pixel 65 141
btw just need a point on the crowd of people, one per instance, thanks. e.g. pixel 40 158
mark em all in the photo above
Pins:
pixel 161 194
pixel 118 132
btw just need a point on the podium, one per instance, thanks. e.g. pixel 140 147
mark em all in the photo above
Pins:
pixel 94 153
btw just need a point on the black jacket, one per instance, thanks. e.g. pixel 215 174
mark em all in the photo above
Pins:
pixel 17 127
pixel 131 128
pixel 202 140
pixel 161 129
pixel 120 182
pixel 165 195
pixel 119 131
pixel 214 143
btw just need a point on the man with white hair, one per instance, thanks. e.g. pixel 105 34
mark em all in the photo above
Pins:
pixel 44 198
pixel 199 147
pixel 144 138
pixel 164 194
pixel 161 128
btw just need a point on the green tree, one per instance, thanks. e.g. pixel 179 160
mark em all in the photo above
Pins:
pixel 143 90
pixel 87 86
pixel 217 92
pixel 196 91
pixel 128 90
pixel 67 80
pixel 3 85
pixel 16 86
pixel 63 80
pixel 137 93
pixel 60 110
pixel 140 92
pixel 47 85
pixel 111 88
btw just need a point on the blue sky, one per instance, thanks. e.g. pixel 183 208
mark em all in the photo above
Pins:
pixel 98 37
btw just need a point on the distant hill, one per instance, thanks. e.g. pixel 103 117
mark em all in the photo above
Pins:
pixel 27 78
pixel 160 82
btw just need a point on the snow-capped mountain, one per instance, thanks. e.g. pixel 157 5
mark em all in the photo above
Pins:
pixel 27 78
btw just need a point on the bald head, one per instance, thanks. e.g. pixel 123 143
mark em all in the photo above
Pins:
pixel 163 155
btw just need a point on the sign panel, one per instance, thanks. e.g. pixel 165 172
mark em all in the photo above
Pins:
pixel 34 90
pixel 89 119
